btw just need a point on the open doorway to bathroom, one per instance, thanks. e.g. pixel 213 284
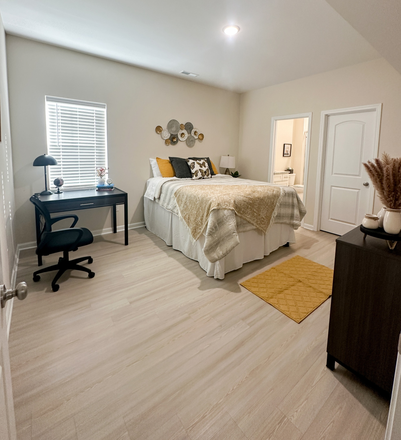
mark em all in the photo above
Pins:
pixel 289 151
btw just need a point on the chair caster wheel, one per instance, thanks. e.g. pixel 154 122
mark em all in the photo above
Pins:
pixel 36 278
pixel 90 260
pixel 55 287
pixel 91 275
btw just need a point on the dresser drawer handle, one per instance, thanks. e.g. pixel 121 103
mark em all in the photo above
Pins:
pixel 86 204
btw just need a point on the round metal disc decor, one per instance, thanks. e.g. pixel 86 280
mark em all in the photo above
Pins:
pixel 158 129
pixel 182 135
pixel 195 133
pixel 182 126
pixel 190 141
pixel 173 126
pixel 189 127
pixel 165 134
pixel 174 139
pixel 201 136
pixel 167 142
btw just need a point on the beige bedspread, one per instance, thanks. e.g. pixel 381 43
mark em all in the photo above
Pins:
pixel 223 225
pixel 255 204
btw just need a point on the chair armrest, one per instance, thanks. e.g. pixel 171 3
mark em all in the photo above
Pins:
pixel 67 238
pixel 62 217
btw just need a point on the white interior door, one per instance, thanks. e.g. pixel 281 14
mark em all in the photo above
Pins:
pixel 7 418
pixel 351 137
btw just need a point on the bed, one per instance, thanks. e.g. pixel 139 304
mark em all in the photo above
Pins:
pixel 225 238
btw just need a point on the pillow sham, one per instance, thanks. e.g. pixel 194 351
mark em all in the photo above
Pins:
pixel 214 169
pixel 155 168
pixel 181 167
pixel 199 169
pixel 165 167
pixel 208 162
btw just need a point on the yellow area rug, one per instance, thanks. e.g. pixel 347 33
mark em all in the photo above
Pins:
pixel 296 287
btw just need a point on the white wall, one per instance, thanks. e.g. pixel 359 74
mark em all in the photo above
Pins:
pixel 137 101
pixel 362 84
pixel 284 133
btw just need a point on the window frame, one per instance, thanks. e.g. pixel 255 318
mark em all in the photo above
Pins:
pixel 91 117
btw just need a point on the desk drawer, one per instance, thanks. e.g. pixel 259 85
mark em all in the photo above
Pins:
pixel 84 203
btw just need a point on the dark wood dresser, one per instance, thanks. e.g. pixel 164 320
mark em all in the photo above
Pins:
pixel 365 315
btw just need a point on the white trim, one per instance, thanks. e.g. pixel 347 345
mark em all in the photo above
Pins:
pixel 105 231
pixel 307 149
pixel 308 227
pixel 10 304
pixel 322 152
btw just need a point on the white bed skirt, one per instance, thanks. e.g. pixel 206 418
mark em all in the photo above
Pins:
pixel 254 245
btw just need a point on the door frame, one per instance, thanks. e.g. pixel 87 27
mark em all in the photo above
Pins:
pixel 273 131
pixel 321 158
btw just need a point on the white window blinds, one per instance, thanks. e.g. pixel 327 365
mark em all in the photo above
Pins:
pixel 77 139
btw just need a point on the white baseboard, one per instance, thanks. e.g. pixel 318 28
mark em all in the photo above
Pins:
pixel 104 231
pixel 308 227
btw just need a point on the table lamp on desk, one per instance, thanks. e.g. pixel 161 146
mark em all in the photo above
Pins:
pixel 43 161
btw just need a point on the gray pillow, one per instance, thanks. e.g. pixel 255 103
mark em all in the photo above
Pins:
pixel 208 162
pixel 181 167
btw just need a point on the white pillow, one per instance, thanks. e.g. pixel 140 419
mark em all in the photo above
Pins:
pixel 155 168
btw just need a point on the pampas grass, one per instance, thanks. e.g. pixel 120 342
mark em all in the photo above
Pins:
pixel 385 174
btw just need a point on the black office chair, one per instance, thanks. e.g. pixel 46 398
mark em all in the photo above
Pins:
pixel 62 240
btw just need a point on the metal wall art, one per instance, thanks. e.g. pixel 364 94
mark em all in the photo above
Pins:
pixel 179 132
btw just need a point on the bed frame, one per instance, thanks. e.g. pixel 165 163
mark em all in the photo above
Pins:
pixel 254 245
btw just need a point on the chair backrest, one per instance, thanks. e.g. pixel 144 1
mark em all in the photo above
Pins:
pixel 47 226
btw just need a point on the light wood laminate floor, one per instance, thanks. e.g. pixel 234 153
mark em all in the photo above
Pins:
pixel 151 348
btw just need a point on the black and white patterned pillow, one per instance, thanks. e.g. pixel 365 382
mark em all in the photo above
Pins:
pixel 199 169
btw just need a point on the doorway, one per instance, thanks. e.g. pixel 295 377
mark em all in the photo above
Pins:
pixel 289 152
pixel 348 137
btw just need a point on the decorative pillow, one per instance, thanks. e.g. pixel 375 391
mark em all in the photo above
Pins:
pixel 155 168
pixel 165 167
pixel 181 168
pixel 214 169
pixel 208 162
pixel 199 169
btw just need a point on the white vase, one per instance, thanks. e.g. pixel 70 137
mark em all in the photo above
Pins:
pixel 101 181
pixel 380 214
pixel 392 221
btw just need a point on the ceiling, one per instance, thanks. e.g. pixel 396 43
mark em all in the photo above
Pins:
pixel 280 40
pixel 378 22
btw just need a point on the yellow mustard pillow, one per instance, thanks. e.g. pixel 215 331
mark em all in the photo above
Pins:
pixel 165 167
pixel 214 168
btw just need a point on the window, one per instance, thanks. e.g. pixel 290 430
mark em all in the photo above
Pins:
pixel 77 139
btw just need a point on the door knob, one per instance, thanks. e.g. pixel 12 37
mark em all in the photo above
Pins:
pixel 21 292
pixel 365 183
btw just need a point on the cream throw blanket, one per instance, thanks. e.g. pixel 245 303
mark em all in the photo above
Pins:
pixel 255 204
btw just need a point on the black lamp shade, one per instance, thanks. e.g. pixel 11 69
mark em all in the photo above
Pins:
pixel 43 160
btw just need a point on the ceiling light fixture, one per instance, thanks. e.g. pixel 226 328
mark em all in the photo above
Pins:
pixel 231 30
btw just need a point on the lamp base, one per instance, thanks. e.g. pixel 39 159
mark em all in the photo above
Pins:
pixel 227 171
pixel 46 193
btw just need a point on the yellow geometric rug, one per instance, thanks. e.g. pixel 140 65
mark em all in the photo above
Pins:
pixel 296 287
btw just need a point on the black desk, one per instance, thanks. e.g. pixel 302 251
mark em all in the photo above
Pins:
pixel 84 199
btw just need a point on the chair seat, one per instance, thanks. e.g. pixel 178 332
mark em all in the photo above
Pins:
pixel 60 243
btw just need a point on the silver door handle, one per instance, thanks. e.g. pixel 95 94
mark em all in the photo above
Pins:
pixel 21 292
pixel 365 183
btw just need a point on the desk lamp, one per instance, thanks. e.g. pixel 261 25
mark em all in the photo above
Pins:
pixel 43 161
pixel 227 162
